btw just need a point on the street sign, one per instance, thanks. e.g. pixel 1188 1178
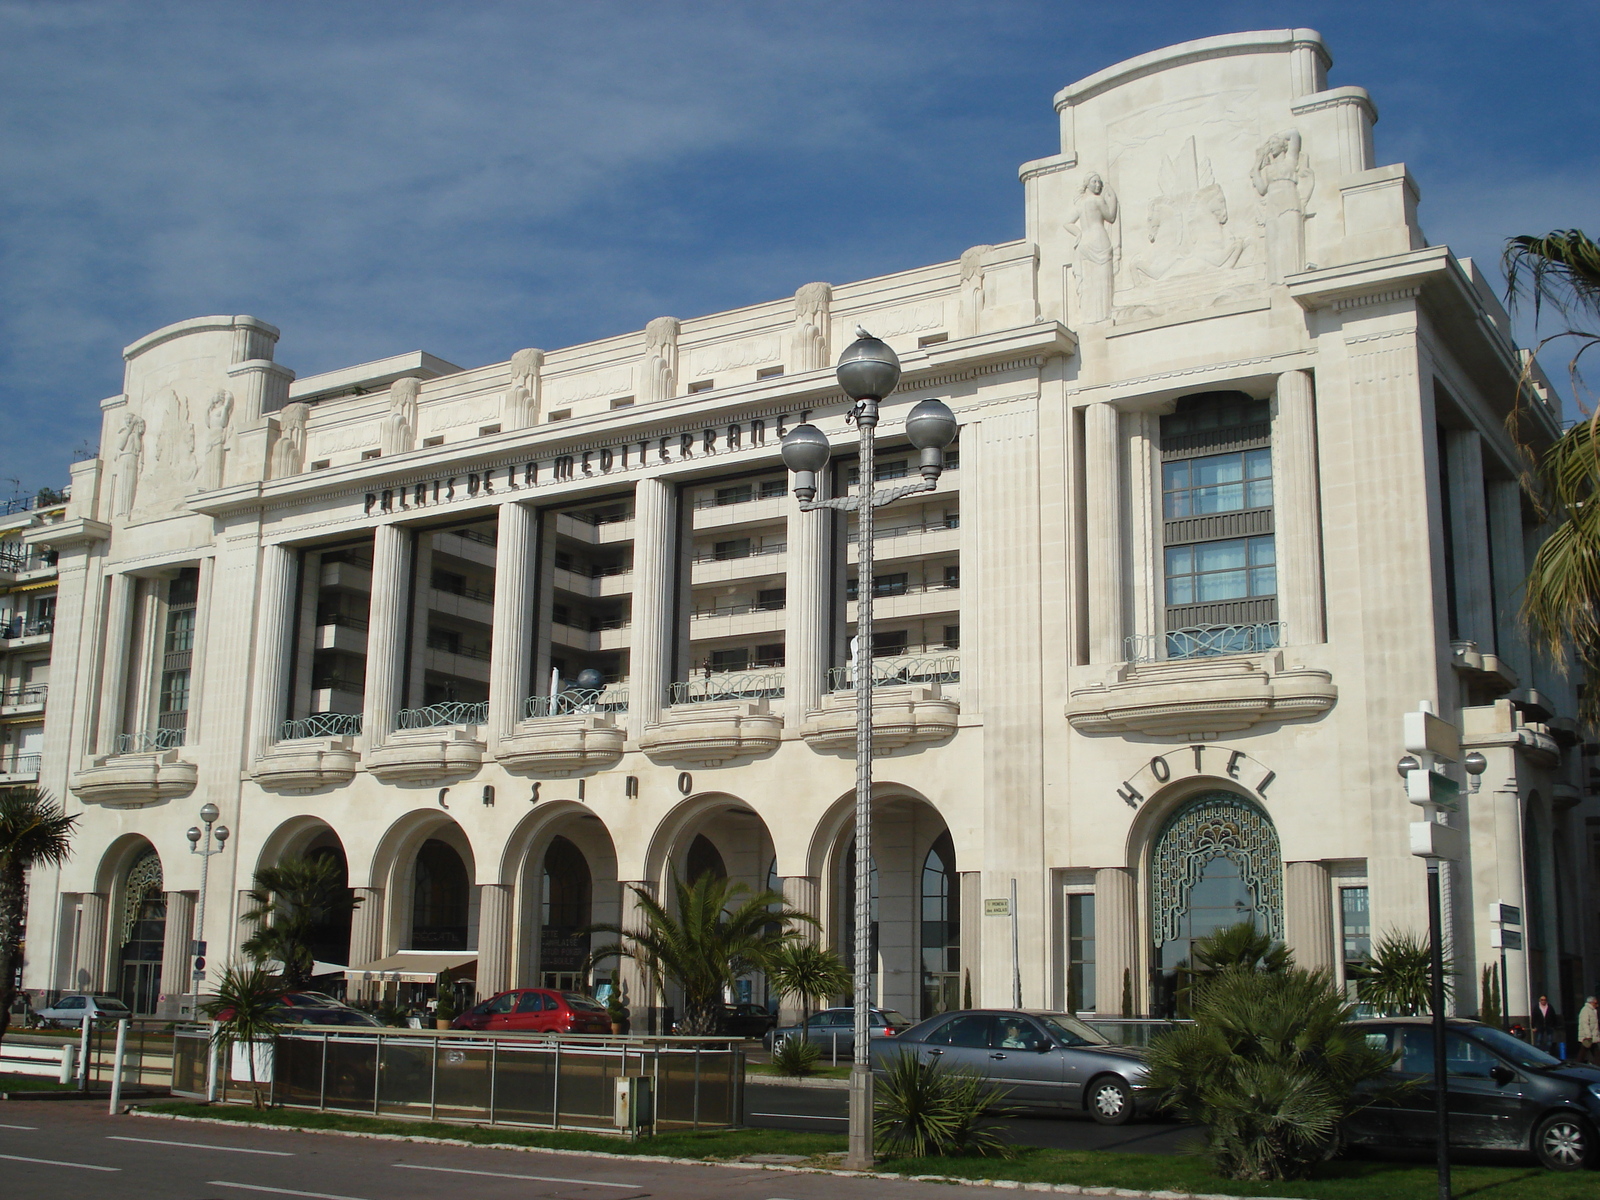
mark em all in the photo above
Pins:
pixel 1506 939
pixel 1427 733
pixel 197 948
pixel 1430 787
pixel 1429 839
pixel 199 965
pixel 1505 914
pixel 997 908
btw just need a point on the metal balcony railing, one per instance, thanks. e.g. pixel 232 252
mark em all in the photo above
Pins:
pixel 744 686
pixel 44 498
pixel 893 672
pixel 577 702
pixel 148 740
pixel 1204 641
pixel 705 556
pixel 34 693
pixel 604 516
pixel 738 610
pixel 22 764
pixel 18 628
pixel 749 498
pixel 348 620
pixel 893 531
pixel 321 725
pixel 464 649
pixel 448 712
pixel 465 590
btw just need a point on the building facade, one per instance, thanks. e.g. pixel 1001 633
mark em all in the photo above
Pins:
pixel 27 624
pixel 1233 491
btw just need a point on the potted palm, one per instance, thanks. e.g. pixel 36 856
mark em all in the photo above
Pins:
pixel 617 1011
pixel 445 1011
pixel 244 1009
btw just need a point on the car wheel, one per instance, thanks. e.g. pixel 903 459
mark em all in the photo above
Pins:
pixel 1562 1142
pixel 1110 1101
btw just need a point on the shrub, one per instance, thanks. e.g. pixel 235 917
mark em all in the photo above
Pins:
pixel 796 1056
pixel 1270 1067
pixel 1395 979
pixel 924 1109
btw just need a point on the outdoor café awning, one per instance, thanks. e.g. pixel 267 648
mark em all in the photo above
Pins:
pixel 411 967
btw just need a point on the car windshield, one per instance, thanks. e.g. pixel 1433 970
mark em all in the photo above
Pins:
pixel 891 1017
pixel 1070 1031
pixel 579 1003
pixel 1514 1048
pixel 110 1004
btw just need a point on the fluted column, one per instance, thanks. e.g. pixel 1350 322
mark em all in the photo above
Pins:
pixel 494 937
pixel 274 648
pixel 802 893
pixel 972 935
pixel 89 968
pixel 655 587
pixel 1469 537
pixel 1297 510
pixel 510 654
pixel 1116 939
pixel 366 927
pixel 637 993
pixel 1146 584
pixel 1103 514
pixel 1506 551
pixel 809 600
pixel 114 680
pixel 386 632
pixel 176 966
pixel 1308 914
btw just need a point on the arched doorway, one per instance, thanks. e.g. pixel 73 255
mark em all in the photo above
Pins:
pixel 568 907
pixel 940 929
pixel 1215 863
pixel 441 898
pixel 141 934
pixel 704 859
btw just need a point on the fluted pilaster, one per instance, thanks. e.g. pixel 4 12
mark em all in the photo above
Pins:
pixel 494 937
pixel 366 928
pixel 386 633
pixel 655 563
pixel 637 991
pixel 1308 914
pixel 1507 552
pixel 1469 538
pixel 511 653
pixel 1103 515
pixel 89 965
pixel 273 648
pixel 1297 509
pixel 1116 939
pixel 114 679
pixel 175 960
pixel 809 601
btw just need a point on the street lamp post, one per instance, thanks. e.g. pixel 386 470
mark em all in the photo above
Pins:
pixel 197 947
pixel 868 371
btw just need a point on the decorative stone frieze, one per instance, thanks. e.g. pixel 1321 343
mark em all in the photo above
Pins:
pixel 132 780
pixel 425 755
pixel 1195 697
pixel 562 745
pixel 713 732
pixel 901 716
pixel 306 764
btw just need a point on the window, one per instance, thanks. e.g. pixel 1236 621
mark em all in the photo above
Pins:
pixel 738 494
pixel 322 464
pixel 488 430
pixel 1218 483
pixel 560 414
pixel 1355 924
pixel 701 385
pixel 622 402
pixel 952 518
pixel 932 339
pixel 893 468
pixel 769 372
pixel 952 637
pixel 772 488
pixel 892 641
pixel 180 630
pixel 437 440
pixel 952 459
pixel 733 548
pixel 177 661
pixel 769 656
pixel 1080 953
pixel 952 577
pixel 730 660
pixel 771 599
pixel 1211 571
pixel 890 585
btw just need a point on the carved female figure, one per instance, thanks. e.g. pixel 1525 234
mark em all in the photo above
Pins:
pixel 400 426
pixel 522 400
pixel 660 365
pixel 808 345
pixel 130 459
pixel 1283 182
pixel 218 415
pixel 972 296
pixel 289 451
pixel 1094 223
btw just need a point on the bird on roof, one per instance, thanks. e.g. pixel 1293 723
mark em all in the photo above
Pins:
pixel 861 332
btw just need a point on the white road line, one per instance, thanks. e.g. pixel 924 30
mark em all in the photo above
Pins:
pixel 52 1162
pixel 798 1116
pixel 506 1175
pixel 256 1187
pixel 201 1146
pixel 30 1127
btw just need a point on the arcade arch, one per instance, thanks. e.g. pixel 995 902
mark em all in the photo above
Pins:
pixel 313 838
pixel 566 880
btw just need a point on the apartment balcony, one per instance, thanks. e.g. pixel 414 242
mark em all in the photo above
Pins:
pixel 610 529
pixel 18 634
pixel 25 564
pixel 24 768
pixel 470 604
pixel 144 768
pixel 709 514
pixel 348 577
pixel 1487 671
pixel 23 701
pixel 567 733
pixel 902 716
pixel 311 753
pixel 919 600
pixel 717 718
pixel 431 744
pixel 347 634
pixel 737 620
pixel 596 583
pixel 920 539
pixel 768 560
pixel 608 634
pixel 469 545
pixel 467 662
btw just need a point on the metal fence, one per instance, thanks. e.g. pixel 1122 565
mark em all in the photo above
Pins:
pixel 1204 641
pixel 321 725
pixel 577 701
pixel 509 1079
pixel 450 712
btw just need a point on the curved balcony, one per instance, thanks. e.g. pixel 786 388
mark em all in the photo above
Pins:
pixel 572 731
pixel 311 753
pixel 714 720
pixel 901 716
pixel 134 778
pixel 426 755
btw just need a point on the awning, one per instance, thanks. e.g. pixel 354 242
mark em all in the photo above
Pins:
pixel 29 587
pixel 412 967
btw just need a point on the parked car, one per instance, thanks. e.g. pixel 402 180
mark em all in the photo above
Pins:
pixel 324 1014
pixel 1041 1059
pixel 838 1026
pixel 537 1010
pixel 71 1010
pixel 1504 1094
pixel 747 1020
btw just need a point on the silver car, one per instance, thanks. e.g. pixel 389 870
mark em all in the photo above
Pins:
pixel 71 1010
pixel 1041 1059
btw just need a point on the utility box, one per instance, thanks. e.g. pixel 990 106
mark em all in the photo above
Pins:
pixel 634 1109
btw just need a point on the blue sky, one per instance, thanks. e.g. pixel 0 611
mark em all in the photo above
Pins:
pixel 471 178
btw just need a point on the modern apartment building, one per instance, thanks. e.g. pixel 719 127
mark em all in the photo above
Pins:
pixel 27 623
pixel 1233 491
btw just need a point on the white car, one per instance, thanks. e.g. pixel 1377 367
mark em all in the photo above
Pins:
pixel 72 1009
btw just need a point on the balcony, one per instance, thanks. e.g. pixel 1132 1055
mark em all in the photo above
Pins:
pixel 311 753
pixel 144 768
pixel 1204 641
pixel 433 743
pixel 24 768
pixel 18 634
pixel 902 715
pixel 717 718
pixel 23 700
pixel 572 731
pixel 920 539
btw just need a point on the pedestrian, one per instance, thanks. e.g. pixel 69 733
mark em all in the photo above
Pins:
pixel 1546 1022
pixel 1589 1032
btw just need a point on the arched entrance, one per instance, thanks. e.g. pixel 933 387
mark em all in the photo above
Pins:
pixel 141 932
pixel 313 840
pixel 1215 863
pixel 565 871
pixel 940 928
pixel 441 898
pixel 568 908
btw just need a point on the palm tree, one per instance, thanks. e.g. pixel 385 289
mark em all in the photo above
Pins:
pixel 719 931
pixel 246 1000
pixel 804 969
pixel 1240 947
pixel 34 832
pixel 294 900
pixel 1395 979
pixel 1561 596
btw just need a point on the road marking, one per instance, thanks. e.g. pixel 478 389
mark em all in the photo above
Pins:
pixel 201 1146
pixel 505 1175
pixel 256 1187
pixel 54 1162
pixel 31 1127
pixel 798 1116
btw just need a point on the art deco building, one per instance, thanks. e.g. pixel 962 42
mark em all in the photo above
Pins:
pixel 1233 490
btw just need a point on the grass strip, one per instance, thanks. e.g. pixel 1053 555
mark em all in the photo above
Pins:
pixel 1346 1179
pixel 34 1083
pixel 818 1073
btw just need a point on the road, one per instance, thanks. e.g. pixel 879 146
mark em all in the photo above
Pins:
pixel 775 1106
pixel 73 1148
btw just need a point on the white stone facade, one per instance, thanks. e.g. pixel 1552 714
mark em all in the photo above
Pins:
pixel 1233 491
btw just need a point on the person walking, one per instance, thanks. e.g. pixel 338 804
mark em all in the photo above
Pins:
pixel 1546 1022
pixel 1589 1032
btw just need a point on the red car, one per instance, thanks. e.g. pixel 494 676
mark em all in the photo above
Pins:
pixel 536 1010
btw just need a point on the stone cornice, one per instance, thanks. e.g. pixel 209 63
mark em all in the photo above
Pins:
pixel 77 531
pixel 1265 41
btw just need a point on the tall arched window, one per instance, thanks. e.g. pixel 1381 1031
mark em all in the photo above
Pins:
pixel 330 939
pixel 142 932
pixel 1216 863
pixel 704 858
pixel 441 899
pixel 846 893
pixel 568 904
pixel 941 929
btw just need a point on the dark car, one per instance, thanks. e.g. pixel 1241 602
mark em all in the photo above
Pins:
pixel 747 1020
pixel 1503 1095
pixel 835 1028
pixel 536 1010
pixel 324 1014
pixel 1041 1059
